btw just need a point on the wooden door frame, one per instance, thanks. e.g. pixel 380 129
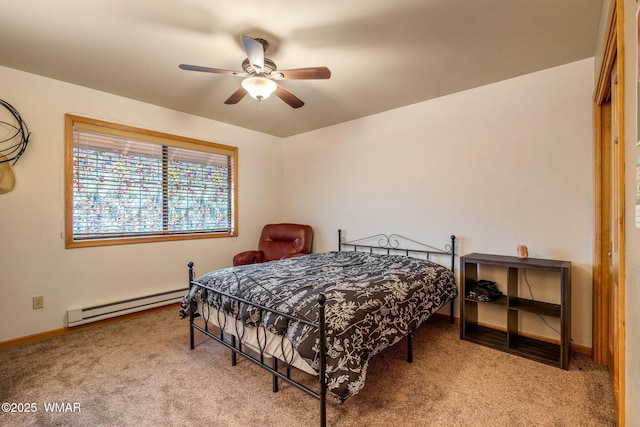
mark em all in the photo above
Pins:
pixel 613 52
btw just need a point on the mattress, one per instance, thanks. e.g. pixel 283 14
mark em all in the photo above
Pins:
pixel 254 338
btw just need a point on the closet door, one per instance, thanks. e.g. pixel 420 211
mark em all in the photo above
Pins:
pixel 609 270
pixel 616 238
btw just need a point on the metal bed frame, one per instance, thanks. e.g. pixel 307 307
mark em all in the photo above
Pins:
pixel 389 244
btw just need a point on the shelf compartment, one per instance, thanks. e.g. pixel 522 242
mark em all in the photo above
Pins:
pixel 534 349
pixel 537 307
pixel 487 336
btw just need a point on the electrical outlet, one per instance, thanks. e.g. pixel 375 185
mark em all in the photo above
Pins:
pixel 38 302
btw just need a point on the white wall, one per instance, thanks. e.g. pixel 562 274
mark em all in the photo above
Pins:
pixel 33 260
pixel 501 165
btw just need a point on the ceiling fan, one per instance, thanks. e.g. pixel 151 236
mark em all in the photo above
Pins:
pixel 261 73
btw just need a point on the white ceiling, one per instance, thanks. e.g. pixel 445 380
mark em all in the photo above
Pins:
pixel 383 54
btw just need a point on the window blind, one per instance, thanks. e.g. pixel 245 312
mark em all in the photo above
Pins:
pixel 128 185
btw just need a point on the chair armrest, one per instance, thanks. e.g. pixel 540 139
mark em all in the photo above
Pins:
pixel 248 257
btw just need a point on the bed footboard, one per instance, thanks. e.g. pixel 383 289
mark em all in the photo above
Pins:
pixel 262 358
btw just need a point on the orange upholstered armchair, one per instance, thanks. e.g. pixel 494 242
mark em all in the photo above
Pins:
pixel 278 241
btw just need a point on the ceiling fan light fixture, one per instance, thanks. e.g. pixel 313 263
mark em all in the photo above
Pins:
pixel 260 75
pixel 259 87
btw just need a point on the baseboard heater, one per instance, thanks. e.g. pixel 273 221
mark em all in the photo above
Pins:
pixel 81 316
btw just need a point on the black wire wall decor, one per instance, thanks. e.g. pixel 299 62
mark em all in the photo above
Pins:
pixel 15 142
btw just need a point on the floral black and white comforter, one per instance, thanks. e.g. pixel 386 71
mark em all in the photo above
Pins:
pixel 373 300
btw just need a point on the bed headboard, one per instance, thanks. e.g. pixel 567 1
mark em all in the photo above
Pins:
pixel 397 244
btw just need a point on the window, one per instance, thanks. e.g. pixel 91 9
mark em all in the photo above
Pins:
pixel 129 185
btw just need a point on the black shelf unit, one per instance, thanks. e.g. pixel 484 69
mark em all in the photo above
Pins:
pixel 510 340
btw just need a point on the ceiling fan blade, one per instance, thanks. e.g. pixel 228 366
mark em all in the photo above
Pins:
pixel 255 51
pixel 209 70
pixel 288 97
pixel 310 73
pixel 236 96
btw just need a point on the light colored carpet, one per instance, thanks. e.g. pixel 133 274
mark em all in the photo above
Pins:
pixel 140 371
